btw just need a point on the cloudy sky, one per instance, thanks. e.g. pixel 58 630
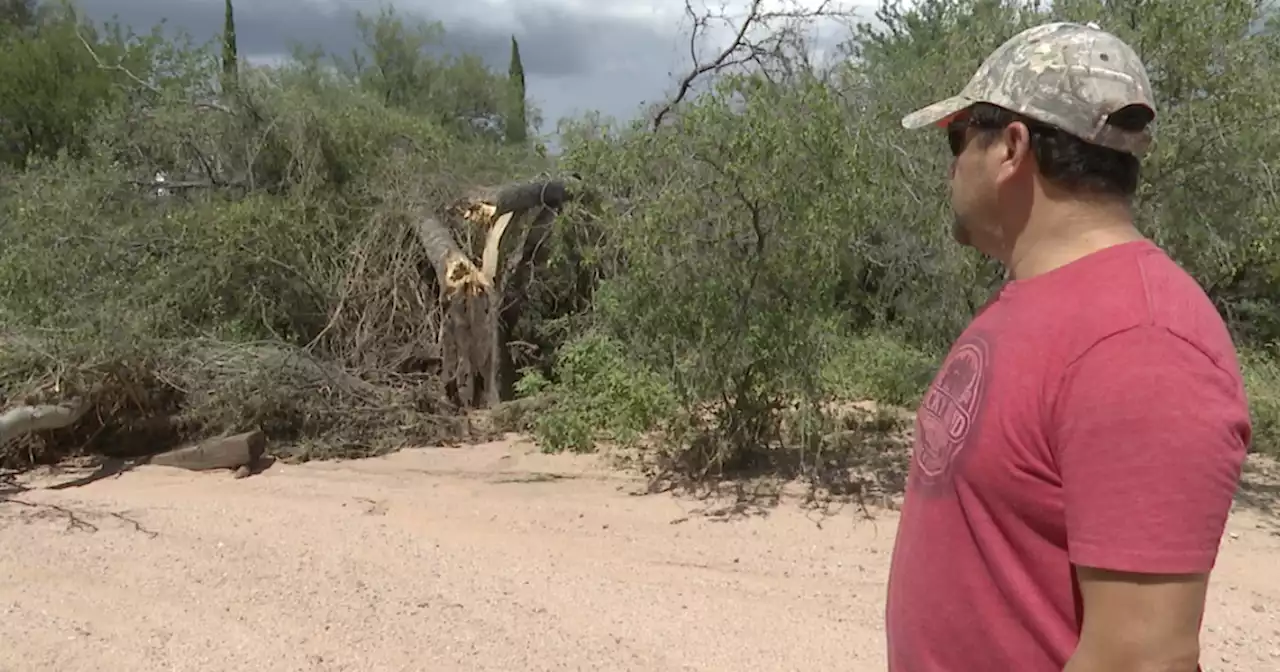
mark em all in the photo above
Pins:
pixel 608 55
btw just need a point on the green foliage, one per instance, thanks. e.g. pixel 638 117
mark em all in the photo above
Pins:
pixel 260 266
pixel 42 114
pixel 881 367
pixel 780 221
pixel 1262 381
pixel 600 395
pixel 21 15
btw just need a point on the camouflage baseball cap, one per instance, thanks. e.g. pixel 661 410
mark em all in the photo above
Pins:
pixel 1067 75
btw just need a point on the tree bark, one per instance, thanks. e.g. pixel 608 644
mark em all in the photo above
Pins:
pixel 22 420
pixel 488 203
pixel 227 452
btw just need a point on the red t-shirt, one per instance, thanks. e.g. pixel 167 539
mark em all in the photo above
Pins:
pixel 1092 415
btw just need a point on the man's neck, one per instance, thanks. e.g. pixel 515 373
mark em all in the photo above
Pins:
pixel 1069 234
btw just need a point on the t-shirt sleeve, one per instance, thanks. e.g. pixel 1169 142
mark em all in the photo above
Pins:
pixel 1150 436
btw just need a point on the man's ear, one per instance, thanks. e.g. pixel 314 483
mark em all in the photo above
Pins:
pixel 1015 150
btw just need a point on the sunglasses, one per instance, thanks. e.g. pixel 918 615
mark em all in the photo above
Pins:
pixel 958 132
pixel 958 137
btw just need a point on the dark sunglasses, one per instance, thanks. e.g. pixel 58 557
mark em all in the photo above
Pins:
pixel 958 137
pixel 957 133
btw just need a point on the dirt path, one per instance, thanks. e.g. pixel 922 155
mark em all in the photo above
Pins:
pixel 492 557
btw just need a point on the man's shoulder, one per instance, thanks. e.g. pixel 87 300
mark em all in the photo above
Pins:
pixel 1174 302
pixel 1149 290
pixel 1133 299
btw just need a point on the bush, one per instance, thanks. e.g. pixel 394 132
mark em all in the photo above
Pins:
pixel 1262 380
pixel 599 395
pixel 880 367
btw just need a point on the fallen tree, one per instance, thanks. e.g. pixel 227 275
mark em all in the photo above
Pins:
pixel 286 256
pixel 479 303
pixel 483 248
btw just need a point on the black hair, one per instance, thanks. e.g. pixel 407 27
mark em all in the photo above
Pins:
pixel 1065 159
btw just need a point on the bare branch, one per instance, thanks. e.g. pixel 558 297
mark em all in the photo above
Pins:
pixel 744 49
pixel 699 24
pixel 205 105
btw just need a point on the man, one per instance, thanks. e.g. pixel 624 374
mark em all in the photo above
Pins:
pixel 1077 454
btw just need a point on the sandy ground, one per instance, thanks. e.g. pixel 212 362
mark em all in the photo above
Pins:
pixel 491 557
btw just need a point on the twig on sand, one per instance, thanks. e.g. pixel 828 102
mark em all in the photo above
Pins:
pixel 74 520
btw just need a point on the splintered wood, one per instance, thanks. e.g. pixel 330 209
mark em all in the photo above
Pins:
pixel 476 313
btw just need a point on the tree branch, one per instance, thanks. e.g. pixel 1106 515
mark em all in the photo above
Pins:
pixel 24 420
pixel 700 22
pixel 207 105
pixel 484 205
pixel 743 49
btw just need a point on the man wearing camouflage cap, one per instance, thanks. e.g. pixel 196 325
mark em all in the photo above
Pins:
pixel 1077 454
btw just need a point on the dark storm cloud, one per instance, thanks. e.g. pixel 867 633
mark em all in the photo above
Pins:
pixel 572 62
pixel 261 28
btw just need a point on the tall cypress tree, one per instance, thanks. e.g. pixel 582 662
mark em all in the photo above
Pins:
pixel 230 52
pixel 517 119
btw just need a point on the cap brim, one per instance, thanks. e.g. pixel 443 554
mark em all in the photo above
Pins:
pixel 937 114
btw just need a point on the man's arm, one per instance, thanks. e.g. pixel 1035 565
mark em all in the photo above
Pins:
pixel 1150 435
pixel 1139 622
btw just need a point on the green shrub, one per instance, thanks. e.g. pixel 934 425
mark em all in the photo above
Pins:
pixel 599 395
pixel 1262 380
pixel 880 367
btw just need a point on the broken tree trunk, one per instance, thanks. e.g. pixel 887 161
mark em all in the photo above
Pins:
pixel 23 420
pixel 517 272
pixel 226 452
pixel 476 311
pixel 469 322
